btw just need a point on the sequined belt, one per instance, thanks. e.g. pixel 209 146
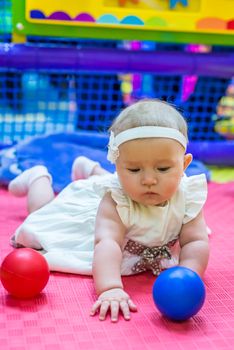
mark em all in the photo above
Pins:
pixel 150 256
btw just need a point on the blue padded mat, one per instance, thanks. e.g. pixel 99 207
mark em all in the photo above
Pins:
pixel 58 151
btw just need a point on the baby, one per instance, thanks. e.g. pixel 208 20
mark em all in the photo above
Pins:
pixel 146 216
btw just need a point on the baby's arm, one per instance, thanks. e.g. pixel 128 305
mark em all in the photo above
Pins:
pixel 109 236
pixel 194 245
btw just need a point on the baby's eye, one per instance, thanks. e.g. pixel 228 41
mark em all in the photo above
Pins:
pixel 134 170
pixel 163 169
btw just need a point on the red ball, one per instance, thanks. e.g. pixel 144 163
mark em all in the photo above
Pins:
pixel 24 273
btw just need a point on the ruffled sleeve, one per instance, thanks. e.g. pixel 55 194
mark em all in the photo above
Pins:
pixel 195 189
pixel 122 205
pixel 111 184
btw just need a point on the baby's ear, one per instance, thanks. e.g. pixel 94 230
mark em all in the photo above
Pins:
pixel 187 160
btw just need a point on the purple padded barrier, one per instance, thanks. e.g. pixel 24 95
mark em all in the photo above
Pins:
pixel 213 152
pixel 115 60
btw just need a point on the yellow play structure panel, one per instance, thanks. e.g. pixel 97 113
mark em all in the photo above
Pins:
pixel 185 15
pixel 207 21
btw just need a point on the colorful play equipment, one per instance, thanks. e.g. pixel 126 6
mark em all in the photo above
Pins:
pixel 178 21
pixel 224 116
pixel 55 81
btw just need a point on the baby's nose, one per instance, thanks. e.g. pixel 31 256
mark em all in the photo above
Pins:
pixel 149 179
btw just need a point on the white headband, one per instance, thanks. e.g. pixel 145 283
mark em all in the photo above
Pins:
pixel 141 132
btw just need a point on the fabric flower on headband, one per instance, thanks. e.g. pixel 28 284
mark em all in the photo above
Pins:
pixel 113 150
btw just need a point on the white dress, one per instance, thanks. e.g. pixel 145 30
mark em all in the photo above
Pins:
pixel 64 228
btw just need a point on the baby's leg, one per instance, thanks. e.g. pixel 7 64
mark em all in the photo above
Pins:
pixel 35 183
pixel 40 193
pixel 83 168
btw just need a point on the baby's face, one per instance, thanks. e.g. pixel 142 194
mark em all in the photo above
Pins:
pixel 150 170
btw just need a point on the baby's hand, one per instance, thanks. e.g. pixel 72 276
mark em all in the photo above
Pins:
pixel 113 300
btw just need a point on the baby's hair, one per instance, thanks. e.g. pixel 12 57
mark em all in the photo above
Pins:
pixel 149 112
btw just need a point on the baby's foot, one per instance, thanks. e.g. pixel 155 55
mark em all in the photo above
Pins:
pixel 20 185
pixel 82 168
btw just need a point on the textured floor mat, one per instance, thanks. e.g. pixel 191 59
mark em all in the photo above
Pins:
pixel 58 319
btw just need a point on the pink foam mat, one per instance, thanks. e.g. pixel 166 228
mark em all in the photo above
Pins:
pixel 58 319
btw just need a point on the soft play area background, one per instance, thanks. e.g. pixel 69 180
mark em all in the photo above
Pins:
pixel 51 114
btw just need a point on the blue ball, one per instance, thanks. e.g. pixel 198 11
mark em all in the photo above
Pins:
pixel 179 293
